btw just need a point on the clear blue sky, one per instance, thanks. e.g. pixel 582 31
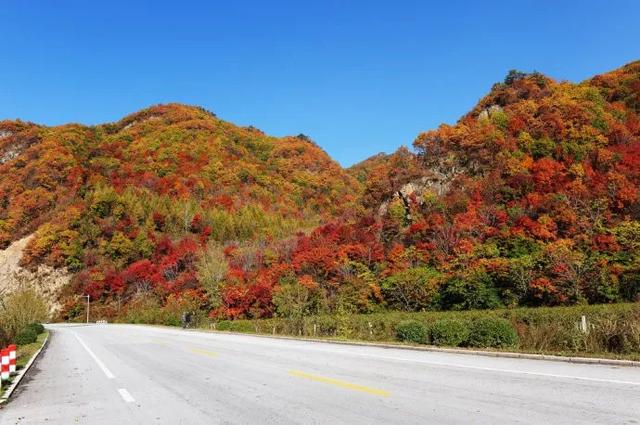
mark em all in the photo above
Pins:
pixel 359 77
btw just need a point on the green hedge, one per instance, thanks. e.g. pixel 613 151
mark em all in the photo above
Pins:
pixel 449 332
pixel 235 326
pixel 37 328
pixel 492 332
pixel 412 331
pixel 613 328
pixel 27 336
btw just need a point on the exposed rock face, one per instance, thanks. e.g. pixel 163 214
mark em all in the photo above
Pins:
pixel 9 154
pixel 438 182
pixel 136 122
pixel 46 280
pixel 14 146
pixel 488 112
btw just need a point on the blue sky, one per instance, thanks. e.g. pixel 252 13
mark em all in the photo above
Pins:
pixel 359 77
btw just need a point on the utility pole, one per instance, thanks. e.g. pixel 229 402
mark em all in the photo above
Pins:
pixel 87 306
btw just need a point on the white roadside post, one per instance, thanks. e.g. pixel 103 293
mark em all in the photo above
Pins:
pixel 88 305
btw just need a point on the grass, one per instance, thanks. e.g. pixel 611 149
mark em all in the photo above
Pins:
pixel 613 329
pixel 25 352
pixel 23 355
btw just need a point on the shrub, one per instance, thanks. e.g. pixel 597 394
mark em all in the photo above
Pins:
pixel 469 293
pixel 412 331
pixel 4 338
pixel 144 309
pixel 540 329
pixel 177 304
pixel 37 328
pixel 172 321
pixel 449 332
pixel 413 289
pixel 294 300
pixel 616 335
pixel 20 309
pixel 326 325
pixel 27 336
pixel 492 332
pixel 223 325
pixel 243 326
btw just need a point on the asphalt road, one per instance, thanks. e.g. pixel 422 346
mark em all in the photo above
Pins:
pixel 124 374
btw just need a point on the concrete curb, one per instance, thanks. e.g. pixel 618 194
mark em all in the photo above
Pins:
pixel 5 397
pixel 503 354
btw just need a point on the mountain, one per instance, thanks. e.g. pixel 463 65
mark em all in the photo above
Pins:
pixel 103 197
pixel 175 156
pixel 531 198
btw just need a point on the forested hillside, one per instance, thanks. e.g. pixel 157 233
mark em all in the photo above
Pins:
pixel 131 206
pixel 529 199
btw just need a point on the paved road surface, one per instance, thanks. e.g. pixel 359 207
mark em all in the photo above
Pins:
pixel 124 374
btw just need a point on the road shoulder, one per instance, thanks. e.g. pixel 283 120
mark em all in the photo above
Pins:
pixel 6 395
pixel 486 353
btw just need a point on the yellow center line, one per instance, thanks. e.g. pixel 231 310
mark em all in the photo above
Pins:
pixel 159 342
pixel 204 352
pixel 339 383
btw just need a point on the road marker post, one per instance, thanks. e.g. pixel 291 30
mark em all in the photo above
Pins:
pixel 4 373
pixel 12 358
pixel 583 324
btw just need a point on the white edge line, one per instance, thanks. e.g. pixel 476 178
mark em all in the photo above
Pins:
pixel 97 360
pixel 511 371
pixel 482 368
pixel 441 364
pixel 125 395
pixel 595 361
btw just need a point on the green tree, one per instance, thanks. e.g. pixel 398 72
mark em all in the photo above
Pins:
pixel 294 300
pixel 475 291
pixel 413 289
pixel 212 269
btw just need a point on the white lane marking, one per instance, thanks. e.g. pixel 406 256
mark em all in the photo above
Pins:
pixel 296 345
pixel 125 395
pixel 493 369
pixel 98 361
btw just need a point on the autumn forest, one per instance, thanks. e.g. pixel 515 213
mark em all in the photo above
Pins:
pixel 530 199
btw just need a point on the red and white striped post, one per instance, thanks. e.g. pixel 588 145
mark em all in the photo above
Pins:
pixel 12 358
pixel 4 372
